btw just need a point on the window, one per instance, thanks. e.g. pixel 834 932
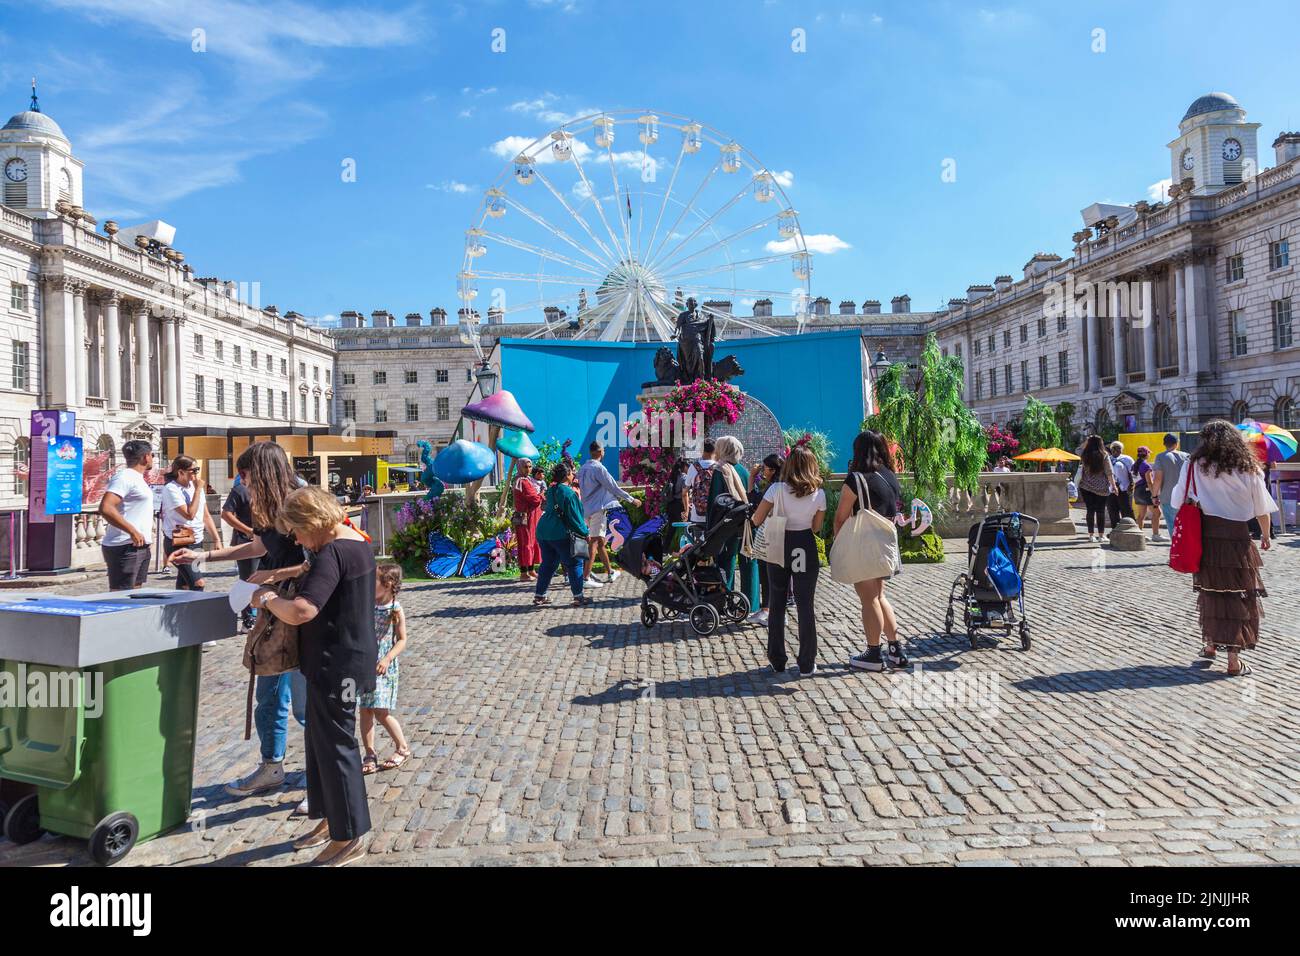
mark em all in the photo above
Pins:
pixel 469 375
pixel 381 378
pixel 993 383
pixel 327 376
pixel 239 398
pixel 315 373
pixel 1279 254
pixel 944 351
pixel 284 405
pixel 1063 366
pixel 22 378
pixel 1024 334
pixel 198 344
pixel 1042 328
pixel 350 409
pixel 199 390
pixel 349 378
pixel 978 346
pixel 381 413
pixel 1024 375
pixel 302 407
pixel 1042 371
pixel 22 459
pixel 302 370
pixel 441 376
pixel 444 410
pixel 979 384
pixel 252 358
pixel 269 363
pixel 18 296
pixel 1060 323
pixel 993 343
pixel 1006 379
pixel 256 403
pixel 1240 412
pixel 1006 338
pixel 315 408
pixel 1286 414
pixel 221 395
pixel 957 351
pixel 221 348
pixel 1282 323
pixel 1237 323
pixel 1236 268
pixel 284 366
pixel 1162 420
pixel 412 411
pixel 412 377
pixel 238 359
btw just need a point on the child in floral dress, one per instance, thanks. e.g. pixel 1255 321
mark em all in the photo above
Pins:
pixel 379 704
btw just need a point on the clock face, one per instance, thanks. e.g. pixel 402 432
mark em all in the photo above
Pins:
pixel 1188 160
pixel 16 171
pixel 1231 150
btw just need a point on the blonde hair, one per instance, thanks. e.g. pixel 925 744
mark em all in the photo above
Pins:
pixel 311 510
pixel 801 472
pixel 727 452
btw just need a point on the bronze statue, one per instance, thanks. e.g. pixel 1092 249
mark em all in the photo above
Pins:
pixel 695 336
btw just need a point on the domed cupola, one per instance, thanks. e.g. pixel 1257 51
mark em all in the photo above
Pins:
pixel 1216 146
pixel 37 168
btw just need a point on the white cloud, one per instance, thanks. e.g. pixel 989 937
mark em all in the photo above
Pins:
pixel 452 186
pixel 466 113
pixel 512 146
pixel 824 244
pixel 1158 191
pixel 542 109
pixel 784 179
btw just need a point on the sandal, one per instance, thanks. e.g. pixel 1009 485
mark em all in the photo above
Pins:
pixel 541 602
pixel 582 601
pixel 370 763
pixel 1208 652
pixel 396 760
pixel 1242 671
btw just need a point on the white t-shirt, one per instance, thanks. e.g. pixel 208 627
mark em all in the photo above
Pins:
pixel 1235 495
pixel 1122 466
pixel 137 507
pixel 704 464
pixel 173 497
pixel 798 512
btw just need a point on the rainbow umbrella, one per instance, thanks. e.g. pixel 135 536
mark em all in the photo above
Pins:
pixel 1272 443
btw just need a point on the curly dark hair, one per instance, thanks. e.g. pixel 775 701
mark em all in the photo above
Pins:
pixel 1223 448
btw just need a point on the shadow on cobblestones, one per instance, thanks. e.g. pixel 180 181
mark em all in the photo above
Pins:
pixel 1122 678
pixel 759 682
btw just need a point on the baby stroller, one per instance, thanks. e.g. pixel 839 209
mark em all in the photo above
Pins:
pixel 982 605
pixel 688 584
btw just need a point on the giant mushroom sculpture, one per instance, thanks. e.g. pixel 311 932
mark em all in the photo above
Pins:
pixel 497 411
pixel 515 444
pixel 464 463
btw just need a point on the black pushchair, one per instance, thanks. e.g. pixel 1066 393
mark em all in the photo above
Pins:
pixel 689 584
pixel 983 607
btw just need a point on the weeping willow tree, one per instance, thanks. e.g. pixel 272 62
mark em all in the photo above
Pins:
pixel 935 431
pixel 1038 426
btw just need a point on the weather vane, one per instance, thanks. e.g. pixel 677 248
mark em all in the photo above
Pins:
pixel 36 107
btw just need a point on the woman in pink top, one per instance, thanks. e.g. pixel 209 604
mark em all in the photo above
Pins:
pixel 1223 476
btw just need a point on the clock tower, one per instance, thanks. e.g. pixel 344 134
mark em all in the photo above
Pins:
pixel 37 168
pixel 1215 147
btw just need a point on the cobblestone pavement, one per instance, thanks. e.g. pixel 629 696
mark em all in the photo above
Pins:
pixel 577 736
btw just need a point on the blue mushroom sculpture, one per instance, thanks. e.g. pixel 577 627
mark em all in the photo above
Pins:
pixel 463 462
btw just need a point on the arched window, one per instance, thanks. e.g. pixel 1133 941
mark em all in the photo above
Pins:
pixel 1162 420
pixel 1240 412
pixel 412 453
pixel 1285 413
pixel 22 459
pixel 1102 422
pixel 106 443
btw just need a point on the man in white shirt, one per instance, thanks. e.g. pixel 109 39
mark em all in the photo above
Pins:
pixel 1120 505
pixel 705 464
pixel 599 492
pixel 127 506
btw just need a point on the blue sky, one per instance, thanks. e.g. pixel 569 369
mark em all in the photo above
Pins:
pixel 241 146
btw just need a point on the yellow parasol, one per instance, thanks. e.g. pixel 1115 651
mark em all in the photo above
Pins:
pixel 1047 454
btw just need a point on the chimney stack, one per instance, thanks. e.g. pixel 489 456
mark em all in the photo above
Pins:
pixel 1002 283
pixel 848 307
pixel 414 318
pixel 350 319
pixel 437 316
pixel 871 307
pixel 900 304
pixel 381 319
pixel 1286 147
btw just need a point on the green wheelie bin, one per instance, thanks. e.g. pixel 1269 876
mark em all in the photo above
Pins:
pixel 101 712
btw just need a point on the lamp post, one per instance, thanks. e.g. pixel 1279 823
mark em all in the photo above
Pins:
pixel 487 379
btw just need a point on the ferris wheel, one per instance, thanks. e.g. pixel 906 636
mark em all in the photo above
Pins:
pixel 605 243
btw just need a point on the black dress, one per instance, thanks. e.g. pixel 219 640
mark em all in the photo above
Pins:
pixel 337 658
pixel 884 489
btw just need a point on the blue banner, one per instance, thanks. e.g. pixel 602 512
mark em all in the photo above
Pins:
pixel 63 466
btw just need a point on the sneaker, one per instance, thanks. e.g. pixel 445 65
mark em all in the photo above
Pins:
pixel 593 583
pixel 300 810
pixel 268 776
pixel 809 673
pixel 870 661
pixel 894 654
pixel 614 576
pixel 541 601
pixel 758 618
pixel 1158 537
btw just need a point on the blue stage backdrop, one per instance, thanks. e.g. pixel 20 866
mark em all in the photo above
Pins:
pixel 815 380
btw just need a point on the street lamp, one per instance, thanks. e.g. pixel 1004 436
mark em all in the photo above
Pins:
pixel 487 379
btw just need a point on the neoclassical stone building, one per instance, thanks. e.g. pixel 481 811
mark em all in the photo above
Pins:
pixel 115 327
pixel 1183 309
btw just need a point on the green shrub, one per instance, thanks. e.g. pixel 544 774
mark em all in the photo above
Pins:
pixel 926 549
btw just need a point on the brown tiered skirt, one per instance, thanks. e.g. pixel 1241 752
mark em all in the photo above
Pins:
pixel 1228 586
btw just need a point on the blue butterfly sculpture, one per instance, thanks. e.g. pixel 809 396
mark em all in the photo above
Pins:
pixel 447 560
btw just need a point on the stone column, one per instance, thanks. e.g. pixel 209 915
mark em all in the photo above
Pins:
pixel 112 351
pixel 80 342
pixel 1118 339
pixel 1094 346
pixel 1178 314
pixel 182 379
pixel 1150 367
pixel 142 402
pixel 58 371
pixel 1195 322
pixel 168 362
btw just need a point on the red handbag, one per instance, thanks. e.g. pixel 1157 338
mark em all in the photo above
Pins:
pixel 1185 546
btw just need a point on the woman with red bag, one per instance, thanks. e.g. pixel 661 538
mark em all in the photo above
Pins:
pixel 1227 484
